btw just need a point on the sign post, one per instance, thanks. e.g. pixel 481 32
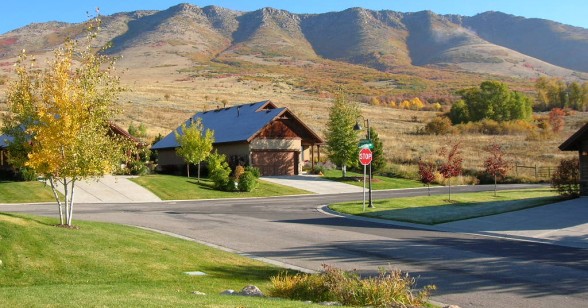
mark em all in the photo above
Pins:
pixel 365 158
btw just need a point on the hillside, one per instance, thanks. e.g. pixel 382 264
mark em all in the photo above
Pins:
pixel 187 59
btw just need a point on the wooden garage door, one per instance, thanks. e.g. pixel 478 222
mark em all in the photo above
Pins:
pixel 274 162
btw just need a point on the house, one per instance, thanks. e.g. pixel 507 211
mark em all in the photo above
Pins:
pixel 114 130
pixel 258 134
pixel 579 142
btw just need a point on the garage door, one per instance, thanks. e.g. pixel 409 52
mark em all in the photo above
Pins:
pixel 274 162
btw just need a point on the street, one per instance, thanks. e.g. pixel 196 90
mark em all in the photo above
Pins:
pixel 468 270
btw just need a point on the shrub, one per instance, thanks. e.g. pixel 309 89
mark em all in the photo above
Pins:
pixel 254 170
pixel 388 289
pixel 27 174
pixel 566 178
pixel 247 182
pixel 219 172
pixel 438 126
pixel 239 170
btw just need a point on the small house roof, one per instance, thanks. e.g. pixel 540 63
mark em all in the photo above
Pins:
pixel 235 124
pixel 5 140
pixel 573 143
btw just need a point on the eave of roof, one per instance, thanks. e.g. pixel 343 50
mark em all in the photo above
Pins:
pixel 573 143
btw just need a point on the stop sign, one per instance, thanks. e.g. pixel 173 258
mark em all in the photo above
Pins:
pixel 365 156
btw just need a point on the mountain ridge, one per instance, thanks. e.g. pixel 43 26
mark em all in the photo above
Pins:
pixel 492 42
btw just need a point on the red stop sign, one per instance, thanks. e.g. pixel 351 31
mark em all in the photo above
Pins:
pixel 365 156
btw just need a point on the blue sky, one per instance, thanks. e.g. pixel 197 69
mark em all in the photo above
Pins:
pixel 15 14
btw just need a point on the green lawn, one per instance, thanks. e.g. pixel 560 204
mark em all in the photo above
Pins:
pixel 107 265
pixel 437 209
pixel 378 182
pixel 25 192
pixel 169 187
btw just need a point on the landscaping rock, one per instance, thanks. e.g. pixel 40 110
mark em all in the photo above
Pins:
pixel 452 306
pixel 228 292
pixel 198 293
pixel 330 304
pixel 251 290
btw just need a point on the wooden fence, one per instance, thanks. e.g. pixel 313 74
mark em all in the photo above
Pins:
pixel 539 172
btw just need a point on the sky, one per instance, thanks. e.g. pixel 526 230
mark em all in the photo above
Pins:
pixel 19 13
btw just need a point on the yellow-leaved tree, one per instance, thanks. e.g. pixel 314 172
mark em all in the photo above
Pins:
pixel 194 144
pixel 59 118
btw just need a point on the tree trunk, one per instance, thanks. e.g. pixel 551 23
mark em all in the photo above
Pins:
pixel 495 185
pixel 198 172
pixel 344 171
pixel 449 181
pixel 429 189
pixel 188 169
pixel 59 204
pixel 71 202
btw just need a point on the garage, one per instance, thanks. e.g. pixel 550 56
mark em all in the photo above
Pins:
pixel 275 162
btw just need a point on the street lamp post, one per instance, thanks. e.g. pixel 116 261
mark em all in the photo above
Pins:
pixel 358 127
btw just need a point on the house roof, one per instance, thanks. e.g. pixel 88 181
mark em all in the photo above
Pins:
pixel 5 140
pixel 235 124
pixel 573 143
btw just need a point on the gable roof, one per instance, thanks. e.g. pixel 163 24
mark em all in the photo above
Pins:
pixel 573 143
pixel 233 124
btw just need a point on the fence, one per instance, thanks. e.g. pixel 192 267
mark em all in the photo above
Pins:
pixel 535 171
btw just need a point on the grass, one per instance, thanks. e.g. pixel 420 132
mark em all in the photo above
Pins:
pixel 107 265
pixel 431 210
pixel 378 182
pixel 169 187
pixel 25 192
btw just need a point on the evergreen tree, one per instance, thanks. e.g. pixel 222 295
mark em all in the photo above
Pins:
pixel 378 159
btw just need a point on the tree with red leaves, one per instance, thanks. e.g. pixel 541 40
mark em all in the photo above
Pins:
pixel 452 165
pixel 556 119
pixel 495 164
pixel 427 174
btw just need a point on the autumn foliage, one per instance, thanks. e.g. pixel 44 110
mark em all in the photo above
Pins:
pixel 495 164
pixel 451 165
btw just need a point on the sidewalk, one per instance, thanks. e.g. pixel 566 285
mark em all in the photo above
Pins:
pixel 313 183
pixel 112 189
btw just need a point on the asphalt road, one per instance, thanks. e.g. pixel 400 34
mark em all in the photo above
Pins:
pixel 469 270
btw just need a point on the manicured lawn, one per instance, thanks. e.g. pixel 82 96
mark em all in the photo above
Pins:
pixel 169 187
pixel 25 192
pixel 437 209
pixel 107 265
pixel 378 182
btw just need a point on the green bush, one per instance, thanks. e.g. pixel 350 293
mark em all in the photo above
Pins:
pixel 27 174
pixel 388 289
pixel 247 182
pixel 254 170
pixel 219 172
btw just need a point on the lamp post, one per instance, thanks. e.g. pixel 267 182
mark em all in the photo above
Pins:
pixel 357 126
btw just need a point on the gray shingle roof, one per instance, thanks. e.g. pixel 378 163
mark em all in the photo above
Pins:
pixel 5 140
pixel 232 124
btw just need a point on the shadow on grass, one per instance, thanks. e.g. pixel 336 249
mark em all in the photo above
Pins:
pixel 202 185
pixel 46 221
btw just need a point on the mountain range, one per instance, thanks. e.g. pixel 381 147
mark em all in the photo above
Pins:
pixel 418 44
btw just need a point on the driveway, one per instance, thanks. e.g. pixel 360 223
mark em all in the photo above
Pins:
pixel 112 189
pixel 313 183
